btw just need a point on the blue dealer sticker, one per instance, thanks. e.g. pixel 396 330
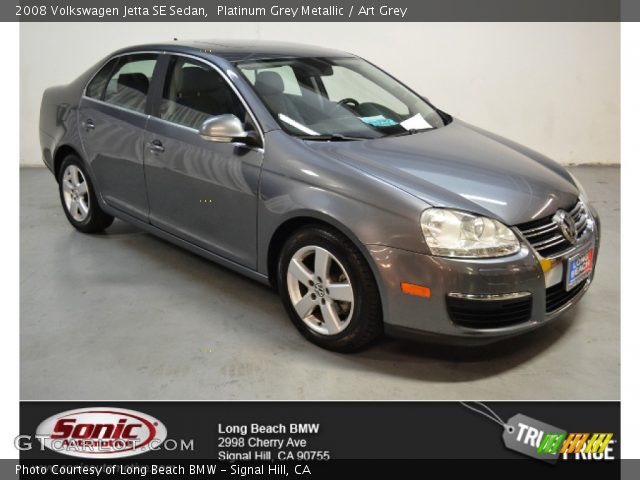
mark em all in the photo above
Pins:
pixel 379 121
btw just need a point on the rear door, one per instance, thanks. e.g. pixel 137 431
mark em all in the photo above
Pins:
pixel 113 115
pixel 201 191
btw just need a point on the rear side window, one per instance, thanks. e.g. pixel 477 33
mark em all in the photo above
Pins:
pixel 96 87
pixel 124 81
pixel 193 92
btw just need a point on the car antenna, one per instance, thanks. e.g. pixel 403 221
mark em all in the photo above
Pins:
pixel 175 39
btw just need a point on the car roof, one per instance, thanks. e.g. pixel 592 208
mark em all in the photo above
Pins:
pixel 239 50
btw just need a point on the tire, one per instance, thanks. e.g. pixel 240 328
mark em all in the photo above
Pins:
pixel 318 303
pixel 78 197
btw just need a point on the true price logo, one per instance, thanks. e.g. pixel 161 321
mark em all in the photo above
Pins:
pixel 101 433
pixel 546 442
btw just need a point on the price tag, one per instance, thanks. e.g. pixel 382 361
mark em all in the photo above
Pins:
pixel 533 438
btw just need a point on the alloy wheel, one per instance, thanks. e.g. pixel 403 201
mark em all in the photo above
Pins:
pixel 320 290
pixel 75 191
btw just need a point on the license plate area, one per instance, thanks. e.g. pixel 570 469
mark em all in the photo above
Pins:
pixel 579 267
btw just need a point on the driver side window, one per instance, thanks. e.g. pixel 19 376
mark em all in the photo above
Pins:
pixel 194 92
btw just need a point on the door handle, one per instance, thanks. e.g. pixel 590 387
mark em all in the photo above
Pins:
pixel 156 146
pixel 89 125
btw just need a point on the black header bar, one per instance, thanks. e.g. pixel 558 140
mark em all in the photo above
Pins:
pixel 320 11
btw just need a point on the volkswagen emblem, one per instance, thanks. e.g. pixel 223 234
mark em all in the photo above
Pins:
pixel 567 226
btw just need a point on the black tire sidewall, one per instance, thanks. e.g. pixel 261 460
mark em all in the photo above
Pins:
pixel 366 303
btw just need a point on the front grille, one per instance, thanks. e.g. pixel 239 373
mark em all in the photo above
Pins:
pixel 489 313
pixel 545 236
pixel 558 297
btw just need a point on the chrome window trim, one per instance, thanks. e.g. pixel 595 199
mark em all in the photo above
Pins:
pixel 117 107
pixel 195 131
pixel 489 297
pixel 186 55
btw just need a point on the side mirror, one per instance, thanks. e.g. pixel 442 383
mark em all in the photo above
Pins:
pixel 227 128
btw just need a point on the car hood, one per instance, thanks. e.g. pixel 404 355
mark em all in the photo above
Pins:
pixel 461 166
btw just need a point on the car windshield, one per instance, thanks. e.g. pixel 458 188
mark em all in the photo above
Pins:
pixel 338 99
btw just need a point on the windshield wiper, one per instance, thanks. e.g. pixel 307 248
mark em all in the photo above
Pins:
pixel 412 131
pixel 335 137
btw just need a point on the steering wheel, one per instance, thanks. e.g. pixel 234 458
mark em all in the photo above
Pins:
pixel 347 101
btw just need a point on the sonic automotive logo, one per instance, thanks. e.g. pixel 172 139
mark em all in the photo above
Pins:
pixel 586 444
pixel 98 432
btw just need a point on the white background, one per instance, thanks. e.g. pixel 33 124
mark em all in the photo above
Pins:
pixel 9 245
pixel 554 87
pixel 630 358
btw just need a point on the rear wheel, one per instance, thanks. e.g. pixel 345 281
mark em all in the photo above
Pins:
pixel 329 290
pixel 78 198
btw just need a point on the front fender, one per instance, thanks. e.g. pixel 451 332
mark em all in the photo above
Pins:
pixel 297 182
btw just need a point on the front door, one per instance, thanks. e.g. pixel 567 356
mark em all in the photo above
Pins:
pixel 201 191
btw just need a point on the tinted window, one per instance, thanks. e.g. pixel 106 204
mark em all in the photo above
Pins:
pixel 97 86
pixel 194 92
pixel 126 81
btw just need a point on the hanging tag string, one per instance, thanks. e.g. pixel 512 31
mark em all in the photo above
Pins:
pixel 488 413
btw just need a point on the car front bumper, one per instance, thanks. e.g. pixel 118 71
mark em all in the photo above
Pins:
pixel 523 275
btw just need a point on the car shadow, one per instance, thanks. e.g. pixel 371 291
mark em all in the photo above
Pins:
pixel 429 362
pixel 436 362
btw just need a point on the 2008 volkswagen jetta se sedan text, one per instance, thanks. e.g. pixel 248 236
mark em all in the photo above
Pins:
pixel 369 209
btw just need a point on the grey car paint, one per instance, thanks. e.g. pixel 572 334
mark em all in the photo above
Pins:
pixel 202 191
pixel 459 166
pixel 373 190
pixel 111 143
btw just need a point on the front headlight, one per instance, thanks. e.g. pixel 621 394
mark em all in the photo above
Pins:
pixel 451 233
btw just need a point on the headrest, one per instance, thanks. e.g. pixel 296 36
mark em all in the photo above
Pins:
pixel 137 81
pixel 269 83
pixel 196 80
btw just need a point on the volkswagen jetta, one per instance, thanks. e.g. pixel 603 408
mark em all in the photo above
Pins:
pixel 366 206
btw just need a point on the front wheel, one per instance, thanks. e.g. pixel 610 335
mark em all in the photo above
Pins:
pixel 78 198
pixel 329 290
